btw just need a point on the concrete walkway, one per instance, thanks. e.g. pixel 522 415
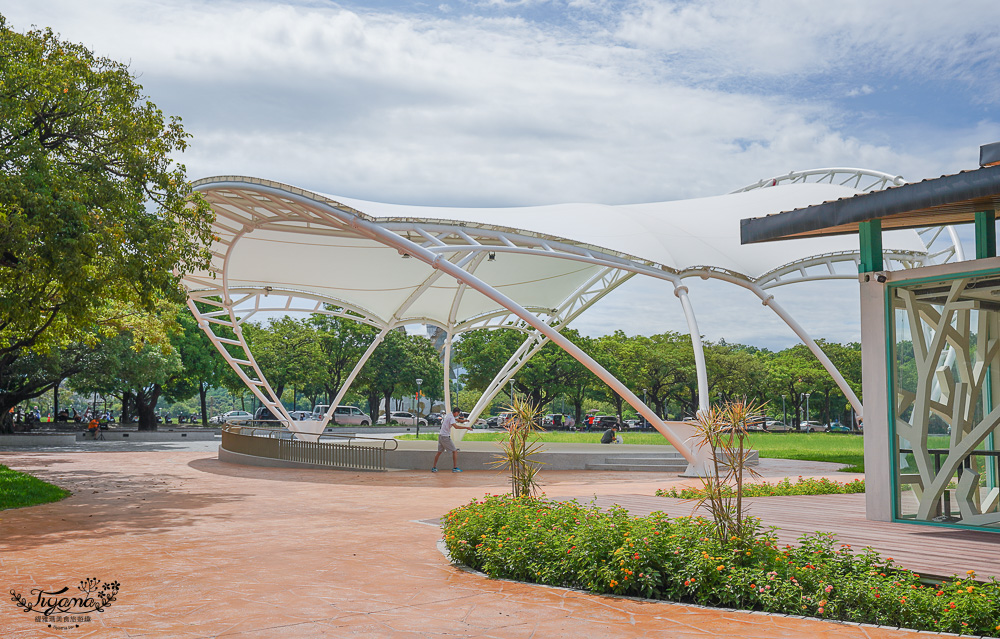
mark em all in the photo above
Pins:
pixel 206 549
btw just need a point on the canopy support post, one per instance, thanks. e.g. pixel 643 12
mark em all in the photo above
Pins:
pixel 699 350
pixel 447 373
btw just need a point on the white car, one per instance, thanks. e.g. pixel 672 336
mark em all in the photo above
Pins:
pixel 403 418
pixel 234 417
pixel 811 427
pixel 343 415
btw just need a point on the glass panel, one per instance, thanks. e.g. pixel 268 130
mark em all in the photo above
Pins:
pixel 945 360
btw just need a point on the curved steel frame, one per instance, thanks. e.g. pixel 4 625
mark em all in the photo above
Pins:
pixel 457 251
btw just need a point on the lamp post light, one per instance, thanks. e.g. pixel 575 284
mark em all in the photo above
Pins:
pixel 417 420
pixel 784 413
pixel 807 406
pixel 646 403
pixel 512 391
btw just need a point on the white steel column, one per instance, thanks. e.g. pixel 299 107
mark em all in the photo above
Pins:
pixel 875 372
pixel 447 373
pixel 699 350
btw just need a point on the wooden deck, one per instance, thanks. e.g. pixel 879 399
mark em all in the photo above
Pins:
pixel 929 550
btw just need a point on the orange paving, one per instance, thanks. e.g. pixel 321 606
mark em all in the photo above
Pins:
pixel 207 549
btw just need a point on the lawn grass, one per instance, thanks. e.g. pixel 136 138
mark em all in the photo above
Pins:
pixel 18 490
pixel 841 448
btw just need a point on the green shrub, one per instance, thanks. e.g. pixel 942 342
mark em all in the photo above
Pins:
pixel 802 486
pixel 679 559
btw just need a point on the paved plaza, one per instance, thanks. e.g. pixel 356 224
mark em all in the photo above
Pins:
pixel 203 548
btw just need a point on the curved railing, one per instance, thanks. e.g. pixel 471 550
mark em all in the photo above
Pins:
pixel 280 444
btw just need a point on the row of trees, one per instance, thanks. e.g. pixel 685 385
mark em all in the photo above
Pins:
pixel 662 368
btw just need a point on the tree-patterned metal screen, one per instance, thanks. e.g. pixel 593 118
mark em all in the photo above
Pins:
pixel 944 358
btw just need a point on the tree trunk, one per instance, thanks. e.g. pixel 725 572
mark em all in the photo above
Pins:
pixel 387 397
pixel 145 405
pixel 126 407
pixel 372 398
pixel 203 393
pixel 55 400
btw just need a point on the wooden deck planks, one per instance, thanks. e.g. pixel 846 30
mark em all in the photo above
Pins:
pixel 931 551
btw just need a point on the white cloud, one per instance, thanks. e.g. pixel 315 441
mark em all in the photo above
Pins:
pixel 862 90
pixel 659 101
pixel 779 38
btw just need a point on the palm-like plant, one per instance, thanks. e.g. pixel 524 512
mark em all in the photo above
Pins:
pixel 724 430
pixel 519 447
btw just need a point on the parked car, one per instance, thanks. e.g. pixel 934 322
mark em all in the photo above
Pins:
pixel 403 418
pixel 343 415
pixel 605 421
pixel 232 417
pixel 776 426
pixel 496 421
pixel 837 427
pixel 264 415
pixel 434 419
pixel 300 414
pixel 811 427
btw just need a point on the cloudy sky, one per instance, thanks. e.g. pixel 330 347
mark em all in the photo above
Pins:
pixel 493 102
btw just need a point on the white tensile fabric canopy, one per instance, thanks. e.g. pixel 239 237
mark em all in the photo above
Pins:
pixel 531 268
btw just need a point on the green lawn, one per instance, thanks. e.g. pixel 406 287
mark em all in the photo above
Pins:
pixel 20 489
pixel 841 448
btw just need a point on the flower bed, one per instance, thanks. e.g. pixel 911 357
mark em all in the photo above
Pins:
pixel 678 559
pixel 802 486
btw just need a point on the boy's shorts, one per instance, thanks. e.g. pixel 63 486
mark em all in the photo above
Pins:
pixel 445 443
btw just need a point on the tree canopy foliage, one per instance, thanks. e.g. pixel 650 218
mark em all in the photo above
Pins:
pixel 97 220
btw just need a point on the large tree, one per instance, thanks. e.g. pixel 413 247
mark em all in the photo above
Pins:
pixel 544 377
pixel 395 366
pixel 287 350
pixel 342 342
pixel 203 367
pixel 97 221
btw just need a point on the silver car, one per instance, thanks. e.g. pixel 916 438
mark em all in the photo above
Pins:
pixel 235 417
pixel 403 418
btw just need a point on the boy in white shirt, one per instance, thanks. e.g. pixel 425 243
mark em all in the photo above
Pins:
pixel 444 438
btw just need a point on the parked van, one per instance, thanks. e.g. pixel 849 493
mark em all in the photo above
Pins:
pixel 343 415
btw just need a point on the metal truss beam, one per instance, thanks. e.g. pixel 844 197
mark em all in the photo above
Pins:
pixel 858 179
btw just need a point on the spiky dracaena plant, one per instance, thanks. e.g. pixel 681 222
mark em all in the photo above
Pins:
pixel 519 447
pixel 724 430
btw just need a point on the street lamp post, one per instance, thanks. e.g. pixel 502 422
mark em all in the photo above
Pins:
pixel 417 420
pixel 807 407
pixel 512 391
pixel 644 402
pixel 784 412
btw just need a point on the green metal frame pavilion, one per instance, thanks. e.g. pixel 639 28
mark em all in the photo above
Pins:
pixel 930 347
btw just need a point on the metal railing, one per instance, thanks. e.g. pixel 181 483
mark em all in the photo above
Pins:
pixel 280 443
